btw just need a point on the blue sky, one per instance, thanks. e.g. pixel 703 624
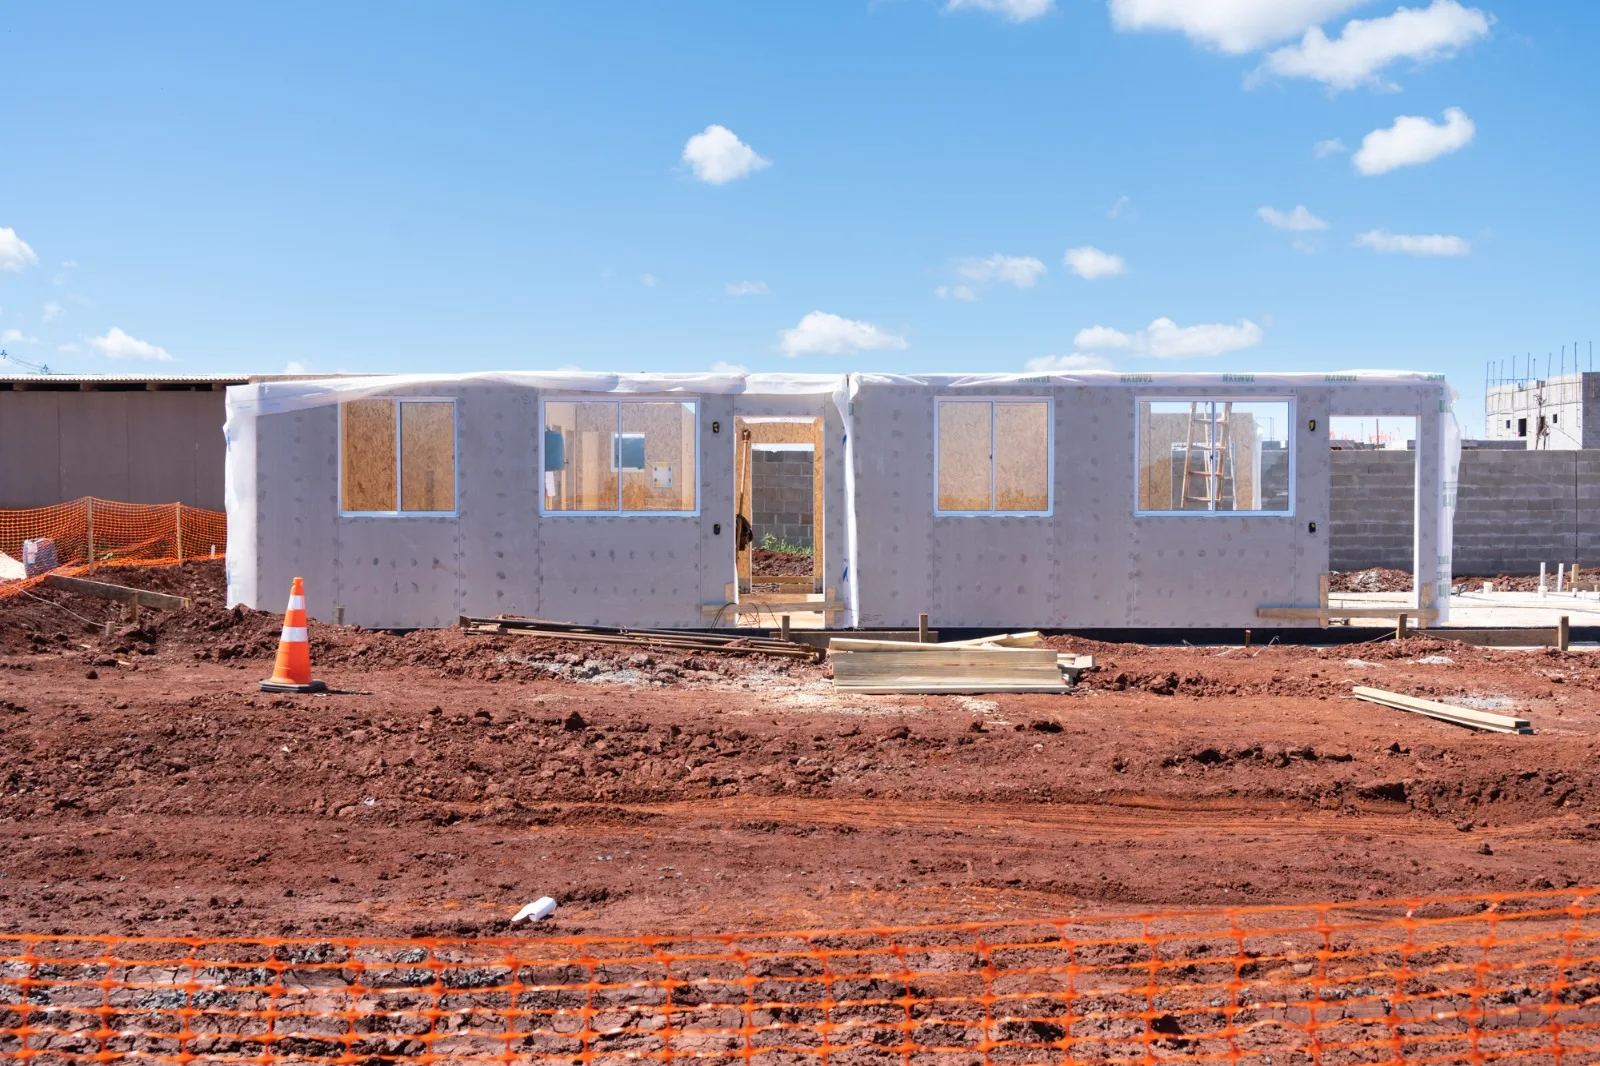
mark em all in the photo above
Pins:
pixel 895 185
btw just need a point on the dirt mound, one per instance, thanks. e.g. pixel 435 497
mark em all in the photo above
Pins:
pixel 766 563
pixel 1378 579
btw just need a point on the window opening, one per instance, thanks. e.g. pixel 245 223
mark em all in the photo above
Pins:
pixel 993 457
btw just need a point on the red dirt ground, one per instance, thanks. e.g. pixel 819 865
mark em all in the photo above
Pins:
pixel 146 786
pixel 764 563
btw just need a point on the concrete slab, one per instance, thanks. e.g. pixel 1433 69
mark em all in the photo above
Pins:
pixel 1481 610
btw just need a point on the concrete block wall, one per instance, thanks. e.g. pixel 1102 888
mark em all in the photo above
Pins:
pixel 1373 509
pixel 782 494
pixel 1514 509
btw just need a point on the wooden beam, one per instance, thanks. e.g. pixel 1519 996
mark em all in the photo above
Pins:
pixel 1445 712
pixel 1314 614
pixel 120 593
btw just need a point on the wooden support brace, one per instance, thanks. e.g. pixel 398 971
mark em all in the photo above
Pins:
pixel 119 593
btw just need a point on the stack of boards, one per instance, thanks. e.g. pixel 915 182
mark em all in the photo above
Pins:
pixel 1444 712
pixel 1012 662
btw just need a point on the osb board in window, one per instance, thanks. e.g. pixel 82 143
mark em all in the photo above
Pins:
pixel 368 460
pixel 964 463
pixel 427 457
pixel 669 439
pixel 1021 456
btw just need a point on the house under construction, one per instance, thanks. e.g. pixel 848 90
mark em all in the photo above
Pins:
pixel 1049 501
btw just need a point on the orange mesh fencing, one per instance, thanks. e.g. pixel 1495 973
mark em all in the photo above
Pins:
pixel 1461 980
pixel 88 534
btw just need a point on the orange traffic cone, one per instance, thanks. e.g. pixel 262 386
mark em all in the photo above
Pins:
pixel 293 670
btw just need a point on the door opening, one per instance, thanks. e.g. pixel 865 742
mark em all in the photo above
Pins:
pixel 778 480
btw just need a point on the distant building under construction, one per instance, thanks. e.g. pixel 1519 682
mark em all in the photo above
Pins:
pixel 1558 414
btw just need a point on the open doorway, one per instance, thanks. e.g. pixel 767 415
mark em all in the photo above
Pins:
pixel 778 493
pixel 1372 510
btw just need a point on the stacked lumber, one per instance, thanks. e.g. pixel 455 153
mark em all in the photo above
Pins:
pixel 1011 662
pixel 1444 712
pixel 677 640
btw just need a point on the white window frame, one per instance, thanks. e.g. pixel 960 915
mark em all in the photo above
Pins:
pixel 611 457
pixel 399 462
pixel 1290 432
pixel 1049 451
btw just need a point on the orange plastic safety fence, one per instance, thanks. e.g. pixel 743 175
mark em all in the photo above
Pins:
pixel 89 534
pixel 1462 980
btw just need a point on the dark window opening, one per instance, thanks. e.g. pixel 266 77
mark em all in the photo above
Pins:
pixel 1522 427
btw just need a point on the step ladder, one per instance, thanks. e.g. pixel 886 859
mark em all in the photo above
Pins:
pixel 1208 460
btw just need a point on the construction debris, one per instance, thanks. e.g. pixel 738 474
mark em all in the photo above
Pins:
pixel 1493 723
pixel 681 640
pixel 1012 662
pixel 537 911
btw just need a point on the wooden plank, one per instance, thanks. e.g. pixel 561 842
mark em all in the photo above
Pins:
pixel 120 593
pixel 1313 614
pixel 770 607
pixel 1497 723
pixel 1028 639
pixel 1004 640
pixel 951 688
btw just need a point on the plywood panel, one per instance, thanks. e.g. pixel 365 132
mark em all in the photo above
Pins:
pixel 667 478
pixel 368 455
pixel 965 436
pixel 1021 456
pixel 427 456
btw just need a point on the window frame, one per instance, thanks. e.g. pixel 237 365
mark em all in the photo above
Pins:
pixel 1289 439
pixel 399 461
pixel 1050 456
pixel 616 435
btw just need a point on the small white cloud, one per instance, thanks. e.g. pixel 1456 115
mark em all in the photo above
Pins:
pixel 1019 270
pixel 14 251
pixel 1233 26
pixel 15 336
pixel 294 366
pixel 718 157
pixel 1119 207
pixel 1331 146
pixel 1368 45
pixel 1298 220
pixel 647 280
pixel 1091 263
pixel 1435 244
pixel 1012 10
pixel 722 366
pixel 50 312
pixel 746 288
pixel 1412 141
pixel 956 292
pixel 1067 364
pixel 1165 339
pixel 821 333
pixel 119 345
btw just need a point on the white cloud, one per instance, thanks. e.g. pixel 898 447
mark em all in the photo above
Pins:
pixel 1067 364
pixel 1013 10
pixel 15 336
pixel 746 288
pixel 1435 244
pixel 1165 339
pixel 1368 45
pixel 50 311
pixel 722 366
pixel 1019 270
pixel 821 333
pixel 719 157
pixel 1299 220
pixel 118 345
pixel 14 251
pixel 955 292
pixel 1090 263
pixel 1234 26
pixel 1412 141
pixel 1331 146
pixel 647 280
pixel 1120 206
pixel 294 366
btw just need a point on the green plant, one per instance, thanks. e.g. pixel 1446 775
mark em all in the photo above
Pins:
pixel 771 543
